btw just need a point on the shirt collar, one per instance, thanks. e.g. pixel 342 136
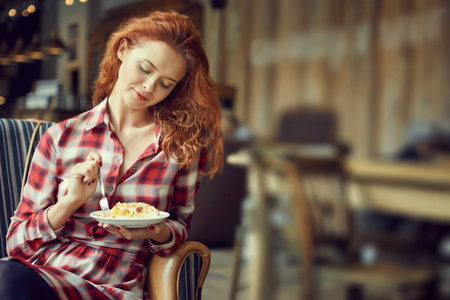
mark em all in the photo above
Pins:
pixel 98 115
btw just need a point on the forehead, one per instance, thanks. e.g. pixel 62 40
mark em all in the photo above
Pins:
pixel 162 56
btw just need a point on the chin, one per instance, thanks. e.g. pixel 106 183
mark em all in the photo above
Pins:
pixel 136 104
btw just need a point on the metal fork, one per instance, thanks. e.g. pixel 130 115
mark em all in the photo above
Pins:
pixel 103 200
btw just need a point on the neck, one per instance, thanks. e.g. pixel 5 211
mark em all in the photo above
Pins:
pixel 123 117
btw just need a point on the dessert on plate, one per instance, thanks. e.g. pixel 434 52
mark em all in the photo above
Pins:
pixel 133 210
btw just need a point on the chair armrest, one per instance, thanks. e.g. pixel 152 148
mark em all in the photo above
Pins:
pixel 163 279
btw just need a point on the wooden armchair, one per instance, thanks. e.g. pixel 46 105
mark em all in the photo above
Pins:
pixel 179 275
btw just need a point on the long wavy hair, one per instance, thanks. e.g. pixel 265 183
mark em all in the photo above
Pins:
pixel 190 116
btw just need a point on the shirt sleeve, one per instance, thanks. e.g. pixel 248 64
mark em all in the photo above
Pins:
pixel 30 228
pixel 183 204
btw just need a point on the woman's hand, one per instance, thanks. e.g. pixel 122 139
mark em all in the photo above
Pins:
pixel 159 233
pixel 83 180
pixel 82 185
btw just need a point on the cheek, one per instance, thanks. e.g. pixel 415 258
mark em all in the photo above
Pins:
pixel 128 73
pixel 122 75
pixel 160 95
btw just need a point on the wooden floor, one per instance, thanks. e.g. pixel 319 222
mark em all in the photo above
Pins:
pixel 218 282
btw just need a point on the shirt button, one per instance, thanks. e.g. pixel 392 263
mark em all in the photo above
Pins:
pixel 49 235
pixel 134 169
pixel 111 188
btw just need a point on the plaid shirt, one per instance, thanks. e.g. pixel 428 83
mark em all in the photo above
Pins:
pixel 83 260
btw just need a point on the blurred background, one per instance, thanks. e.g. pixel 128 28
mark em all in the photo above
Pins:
pixel 302 83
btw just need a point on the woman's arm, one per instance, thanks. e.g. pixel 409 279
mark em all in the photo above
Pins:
pixel 30 228
pixel 39 213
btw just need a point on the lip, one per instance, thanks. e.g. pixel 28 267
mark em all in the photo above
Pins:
pixel 139 96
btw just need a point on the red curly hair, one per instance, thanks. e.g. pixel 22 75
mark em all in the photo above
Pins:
pixel 190 116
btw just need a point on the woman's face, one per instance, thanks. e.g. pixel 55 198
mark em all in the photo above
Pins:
pixel 148 73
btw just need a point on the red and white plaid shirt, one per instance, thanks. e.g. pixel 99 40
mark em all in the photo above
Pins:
pixel 83 260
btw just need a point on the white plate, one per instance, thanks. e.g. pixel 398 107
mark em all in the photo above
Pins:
pixel 130 223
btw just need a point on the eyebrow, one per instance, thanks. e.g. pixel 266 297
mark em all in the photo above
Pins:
pixel 157 70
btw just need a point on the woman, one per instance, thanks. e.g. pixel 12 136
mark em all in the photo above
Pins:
pixel 155 114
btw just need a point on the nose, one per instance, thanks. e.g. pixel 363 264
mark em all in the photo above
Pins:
pixel 149 84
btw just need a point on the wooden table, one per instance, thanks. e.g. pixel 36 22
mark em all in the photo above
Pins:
pixel 417 190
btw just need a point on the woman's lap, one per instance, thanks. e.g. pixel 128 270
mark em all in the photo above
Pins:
pixel 19 281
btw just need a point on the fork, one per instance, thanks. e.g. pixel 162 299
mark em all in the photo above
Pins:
pixel 103 201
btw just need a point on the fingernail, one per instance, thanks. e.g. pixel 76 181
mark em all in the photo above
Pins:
pixel 100 164
pixel 118 227
pixel 93 181
pixel 151 227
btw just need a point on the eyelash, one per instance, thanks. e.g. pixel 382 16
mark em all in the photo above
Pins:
pixel 148 72
pixel 144 70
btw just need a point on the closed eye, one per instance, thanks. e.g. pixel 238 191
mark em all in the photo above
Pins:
pixel 164 85
pixel 144 70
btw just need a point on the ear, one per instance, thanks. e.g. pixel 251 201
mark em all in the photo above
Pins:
pixel 123 47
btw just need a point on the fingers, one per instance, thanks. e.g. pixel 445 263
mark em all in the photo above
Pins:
pixel 119 231
pixel 124 232
pixel 112 229
pixel 135 233
pixel 92 162
pixel 91 171
pixel 86 171
pixel 157 228
pixel 94 156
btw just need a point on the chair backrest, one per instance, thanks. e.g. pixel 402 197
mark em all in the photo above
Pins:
pixel 16 148
pixel 324 187
pixel 307 125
